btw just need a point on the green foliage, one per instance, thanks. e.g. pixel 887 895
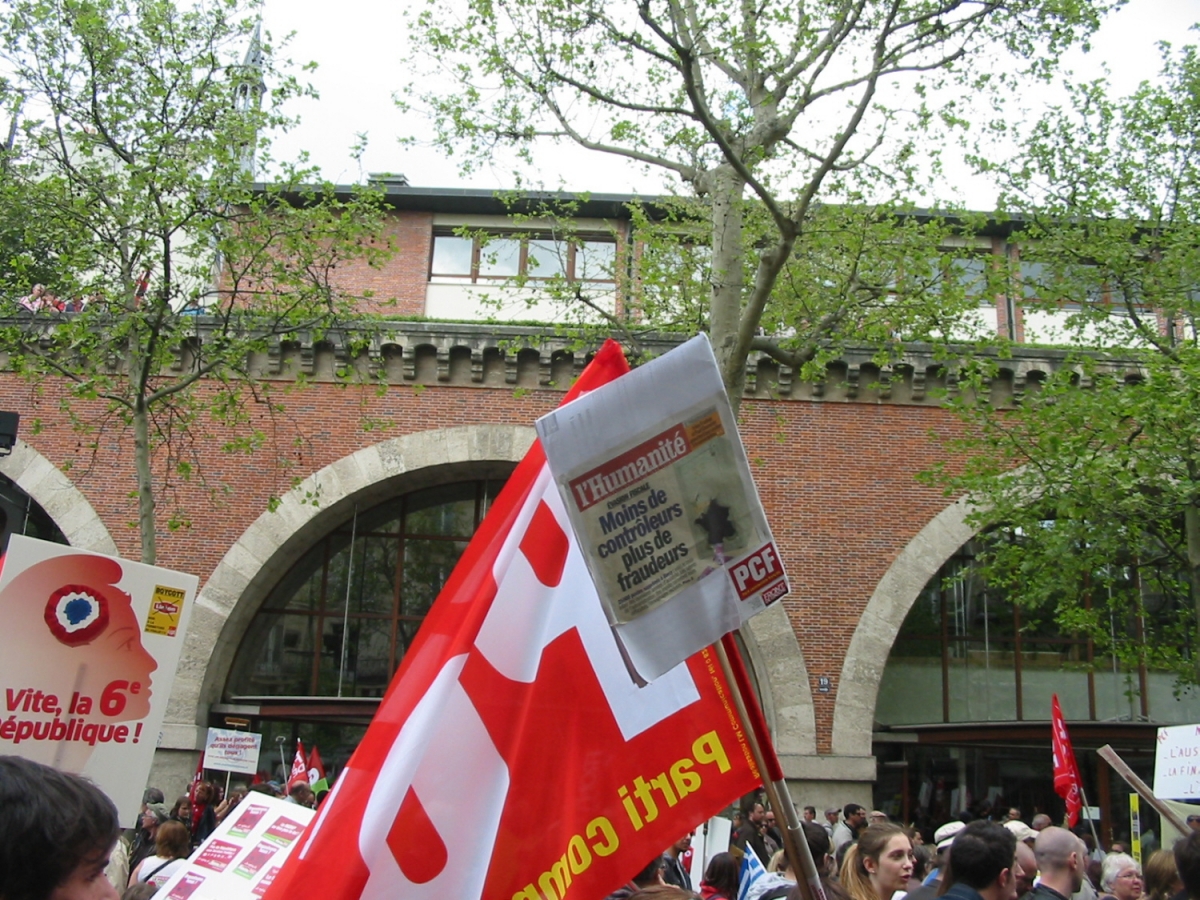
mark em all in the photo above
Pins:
pixel 1096 475
pixel 143 124
pixel 766 114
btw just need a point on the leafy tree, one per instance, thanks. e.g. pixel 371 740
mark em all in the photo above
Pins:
pixel 135 162
pixel 1096 475
pixel 767 113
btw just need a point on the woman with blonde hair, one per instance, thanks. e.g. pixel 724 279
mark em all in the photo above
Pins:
pixel 879 864
pixel 1161 877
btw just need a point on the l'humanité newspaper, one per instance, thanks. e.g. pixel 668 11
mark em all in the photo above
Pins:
pixel 662 514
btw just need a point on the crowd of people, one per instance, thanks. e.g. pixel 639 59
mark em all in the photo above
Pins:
pixel 862 855
pixel 60 840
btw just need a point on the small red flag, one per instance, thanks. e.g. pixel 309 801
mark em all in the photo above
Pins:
pixel 513 756
pixel 1067 783
pixel 299 765
pixel 196 779
pixel 316 768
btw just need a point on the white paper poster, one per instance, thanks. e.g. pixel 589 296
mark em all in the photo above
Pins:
pixel 241 858
pixel 660 496
pixel 232 751
pixel 88 651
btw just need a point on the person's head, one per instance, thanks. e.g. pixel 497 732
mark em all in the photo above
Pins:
pixel 854 814
pixel 810 814
pixel 663 892
pixel 1121 876
pixel 722 874
pixel 172 841
pixel 879 864
pixel 681 846
pixel 769 818
pixel 302 793
pixel 753 812
pixel 1061 859
pixel 205 793
pixel 1027 864
pixel 983 856
pixel 1014 813
pixel 153 795
pixel 56 831
pixel 152 816
pixel 182 810
pixel 1161 876
pixel 651 873
pixel 922 858
pixel 818 842
pixel 831 815
pixel 1187 861
pixel 1193 821
pixel 778 862
pixel 1118 847
pixel 1040 821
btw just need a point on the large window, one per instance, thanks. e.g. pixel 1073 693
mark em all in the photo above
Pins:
pixel 20 515
pixel 499 256
pixel 967 654
pixel 338 624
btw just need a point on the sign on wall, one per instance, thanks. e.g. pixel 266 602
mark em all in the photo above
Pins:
pixel 88 650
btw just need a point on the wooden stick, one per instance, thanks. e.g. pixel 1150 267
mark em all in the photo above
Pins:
pixel 795 845
pixel 1109 755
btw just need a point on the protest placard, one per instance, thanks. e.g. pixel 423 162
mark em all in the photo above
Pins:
pixel 232 751
pixel 1177 763
pixel 658 490
pixel 88 654
pixel 240 859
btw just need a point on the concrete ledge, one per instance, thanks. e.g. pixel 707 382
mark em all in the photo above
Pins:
pixel 174 736
pixel 827 768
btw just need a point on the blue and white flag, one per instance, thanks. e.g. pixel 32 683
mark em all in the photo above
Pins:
pixel 753 878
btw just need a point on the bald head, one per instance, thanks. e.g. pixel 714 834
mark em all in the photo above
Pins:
pixel 1054 847
pixel 1029 869
pixel 1061 858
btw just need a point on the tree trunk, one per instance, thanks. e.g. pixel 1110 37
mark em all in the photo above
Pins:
pixel 145 481
pixel 728 278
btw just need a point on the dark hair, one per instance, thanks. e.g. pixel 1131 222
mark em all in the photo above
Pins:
pixel 664 892
pixel 922 858
pixel 172 840
pixel 152 795
pixel 143 890
pixel 722 874
pixel 980 852
pixel 51 823
pixel 817 839
pixel 1187 860
pixel 811 809
pixel 649 872
pixel 179 801
pixel 851 808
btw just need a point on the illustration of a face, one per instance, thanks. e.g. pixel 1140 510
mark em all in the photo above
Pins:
pixel 71 630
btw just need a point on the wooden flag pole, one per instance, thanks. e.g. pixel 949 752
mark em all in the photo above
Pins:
pixel 759 738
pixel 1109 755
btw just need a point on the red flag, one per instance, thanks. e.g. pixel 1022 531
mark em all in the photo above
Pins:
pixel 316 768
pixel 196 779
pixel 512 755
pixel 299 765
pixel 1067 783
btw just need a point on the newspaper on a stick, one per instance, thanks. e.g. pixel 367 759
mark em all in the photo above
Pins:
pixel 659 493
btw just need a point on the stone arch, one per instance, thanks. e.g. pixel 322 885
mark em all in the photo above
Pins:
pixel 276 539
pixel 57 495
pixel 784 692
pixel 871 644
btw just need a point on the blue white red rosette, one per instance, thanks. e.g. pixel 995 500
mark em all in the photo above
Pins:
pixel 76 614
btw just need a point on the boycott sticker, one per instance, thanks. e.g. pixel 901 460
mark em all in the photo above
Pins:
pixel 217 856
pixel 256 859
pixel 186 887
pixel 166 606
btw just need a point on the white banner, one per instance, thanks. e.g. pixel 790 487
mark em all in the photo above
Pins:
pixel 1177 763
pixel 659 493
pixel 241 858
pixel 88 650
pixel 232 751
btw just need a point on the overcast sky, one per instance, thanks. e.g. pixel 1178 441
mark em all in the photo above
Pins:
pixel 358 44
